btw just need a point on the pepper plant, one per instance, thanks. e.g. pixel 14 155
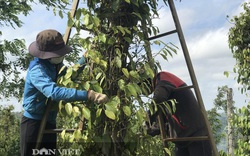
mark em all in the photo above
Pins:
pixel 242 123
pixel 120 64
pixel 239 44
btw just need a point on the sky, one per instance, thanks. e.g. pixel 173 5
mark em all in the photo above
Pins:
pixel 205 26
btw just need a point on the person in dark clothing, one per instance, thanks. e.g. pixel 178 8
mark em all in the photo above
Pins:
pixel 186 121
pixel 48 50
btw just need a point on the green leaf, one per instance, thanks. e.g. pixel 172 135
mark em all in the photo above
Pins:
pixel 137 14
pixel 96 60
pixel 68 108
pixel 134 75
pixel 126 110
pixel 149 70
pixel 173 103
pixel 111 106
pixel 164 57
pixel 96 87
pixel 118 62
pixel 116 99
pixel 103 64
pixel 76 111
pixel 140 114
pixel 62 69
pixel 75 67
pixel 86 113
pixel 102 80
pixel 69 73
pixel 70 22
pixel 60 13
pixel 96 21
pixel 111 40
pixel 63 134
pixel 86 19
pixel 226 73
pixel 166 106
pixel 115 5
pixel 98 112
pixel 63 112
pixel 71 139
pixel 118 52
pixel 157 42
pixel 127 30
pixel 102 37
pixel 78 13
pixel 65 82
pixel 60 105
pixel 98 76
pixel 137 88
pixel 135 3
pixel 121 84
pixel 127 1
pixel 125 72
pixel 131 90
pixel 77 134
pixel 128 39
pixel 167 151
pixel 121 30
pixel 60 80
pixel 110 114
pixel 86 85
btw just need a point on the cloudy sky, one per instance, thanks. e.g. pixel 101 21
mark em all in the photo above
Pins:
pixel 205 27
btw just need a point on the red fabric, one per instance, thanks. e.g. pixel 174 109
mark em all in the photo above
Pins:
pixel 178 122
pixel 171 78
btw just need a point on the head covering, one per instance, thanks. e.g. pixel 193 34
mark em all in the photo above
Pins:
pixel 49 44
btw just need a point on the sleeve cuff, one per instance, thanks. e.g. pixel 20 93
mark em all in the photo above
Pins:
pixel 81 61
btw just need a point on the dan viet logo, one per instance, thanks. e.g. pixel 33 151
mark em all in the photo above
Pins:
pixel 44 151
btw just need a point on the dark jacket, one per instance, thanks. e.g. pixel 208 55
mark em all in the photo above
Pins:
pixel 188 119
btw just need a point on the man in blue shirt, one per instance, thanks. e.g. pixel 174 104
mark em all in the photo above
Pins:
pixel 48 50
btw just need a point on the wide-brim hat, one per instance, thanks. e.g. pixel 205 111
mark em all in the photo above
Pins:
pixel 49 44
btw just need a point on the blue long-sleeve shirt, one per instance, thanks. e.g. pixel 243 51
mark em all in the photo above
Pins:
pixel 41 84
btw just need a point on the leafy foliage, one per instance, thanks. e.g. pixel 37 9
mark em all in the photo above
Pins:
pixel 216 125
pixel 241 122
pixel 239 40
pixel 14 59
pixel 119 59
pixel 220 101
pixel 9 131
pixel 11 9
pixel 119 65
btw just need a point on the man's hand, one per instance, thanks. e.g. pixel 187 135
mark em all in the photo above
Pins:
pixel 97 97
pixel 85 54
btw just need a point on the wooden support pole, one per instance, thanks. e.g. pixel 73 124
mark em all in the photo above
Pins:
pixel 162 129
pixel 43 124
pixel 229 117
pixel 68 29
